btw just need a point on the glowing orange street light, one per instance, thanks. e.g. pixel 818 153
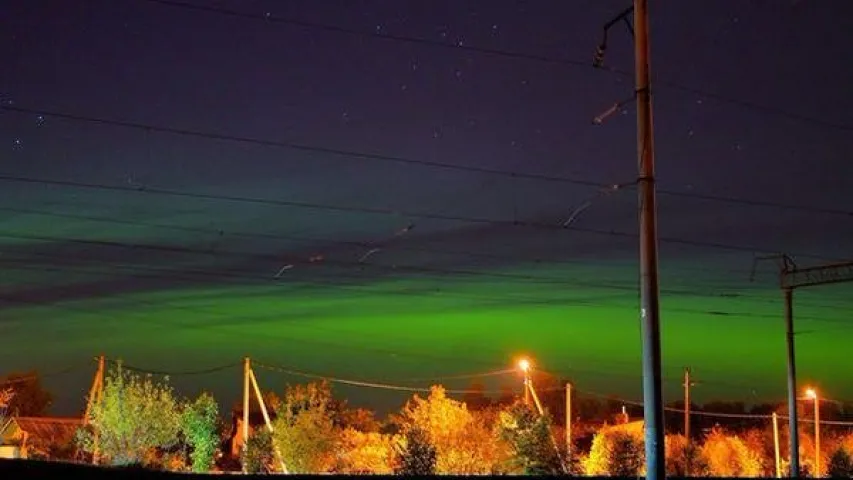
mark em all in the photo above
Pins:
pixel 812 394
pixel 524 366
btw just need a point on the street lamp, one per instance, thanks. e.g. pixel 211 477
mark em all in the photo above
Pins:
pixel 812 394
pixel 525 366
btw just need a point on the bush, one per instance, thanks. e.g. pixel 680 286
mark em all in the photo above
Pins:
pixel 257 456
pixel 134 418
pixel 416 456
pixel 615 452
pixel 840 464
pixel 529 436
pixel 198 423
pixel 728 456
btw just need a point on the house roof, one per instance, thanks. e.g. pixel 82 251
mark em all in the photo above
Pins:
pixel 49 429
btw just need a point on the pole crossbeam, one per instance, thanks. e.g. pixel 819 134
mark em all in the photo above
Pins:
pixel 820 275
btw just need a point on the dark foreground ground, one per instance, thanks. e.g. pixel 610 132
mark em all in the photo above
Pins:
pixel 14 469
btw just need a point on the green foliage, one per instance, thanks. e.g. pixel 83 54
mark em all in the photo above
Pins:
pixel 134 417
pixel 198 424
pixel 304 431
pixel 416 456
pixel 529 436
pixel 29 398
pixel 258 457
pixel 840 464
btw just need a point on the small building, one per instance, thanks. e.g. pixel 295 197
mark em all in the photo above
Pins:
pixel 39 437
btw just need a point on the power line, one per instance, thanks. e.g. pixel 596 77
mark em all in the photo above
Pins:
pixel 754 416
pixel 269 18
pixel 180 373
pixel 352 154
pixel 13 379
pixel 156 272
pixel 386 211
pixel 362 244
pixel 360 383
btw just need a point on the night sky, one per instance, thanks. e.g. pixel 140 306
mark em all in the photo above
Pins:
pixel 376 190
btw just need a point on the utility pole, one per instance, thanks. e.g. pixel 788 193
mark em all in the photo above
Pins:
pixel 649 289
pixel 96 394
pixel 649 301
pixel 247 370
pixel 793 427
pixel 569 420
pixel 687 404
pixel 790 278
pixel 687 386
pixel 776 445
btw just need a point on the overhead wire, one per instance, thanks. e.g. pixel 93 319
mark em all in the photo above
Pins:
pixel 353 154
pixel 196 275
pixel 388 211
pixel 360 383
pixel 174 373
pixel 344 243
pixel 269 18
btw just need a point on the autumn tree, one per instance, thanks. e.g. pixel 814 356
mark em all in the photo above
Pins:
pixel 463 442
pixel 134 417
pixel 840 464
pixel 198 424
pixel 616 451
pixel 30 397
pixel 728 456
pixel 362 452
pixel 5 398
pixel 683 459
pixel 416 455
pixel 529 437
pixel 304 432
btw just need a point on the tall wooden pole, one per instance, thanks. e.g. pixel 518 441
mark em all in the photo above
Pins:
pixel 816 435
pixel 649 293
pixel 776 445
pixel 687 418
pixel 246 371
pixel 569 419
pixel 96 394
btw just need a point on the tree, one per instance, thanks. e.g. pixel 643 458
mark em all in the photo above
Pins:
pixel 304 431
pixel 5 398
pixel 360 419
pixel 683 460
pixel 30 398
pixel 198 424
pixel 134 417
pixel 840 464
pixel 463 442
pixel 416 456
pixel 362 453
pixel 258 457
pixel 529 437
pixel 728 456
pixel 615 451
